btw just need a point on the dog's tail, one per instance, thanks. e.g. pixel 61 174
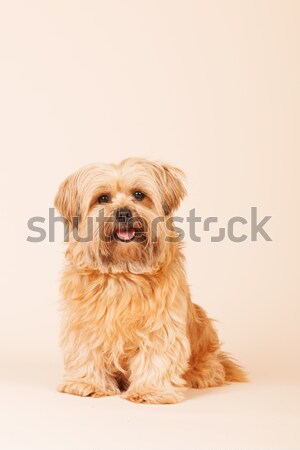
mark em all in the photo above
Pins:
pixel 233 371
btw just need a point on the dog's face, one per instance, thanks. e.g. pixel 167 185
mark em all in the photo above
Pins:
pixel 117 213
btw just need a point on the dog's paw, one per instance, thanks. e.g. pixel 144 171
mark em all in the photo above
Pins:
pixel 85 390
pixel 153 396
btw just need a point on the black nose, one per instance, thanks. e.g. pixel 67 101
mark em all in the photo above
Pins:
pixel 123 215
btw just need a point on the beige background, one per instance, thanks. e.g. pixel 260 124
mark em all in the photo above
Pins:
pixel 212 87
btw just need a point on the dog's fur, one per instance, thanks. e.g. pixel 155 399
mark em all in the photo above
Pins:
pixel 128 321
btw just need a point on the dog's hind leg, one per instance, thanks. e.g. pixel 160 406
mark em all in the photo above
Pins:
pixel 208 366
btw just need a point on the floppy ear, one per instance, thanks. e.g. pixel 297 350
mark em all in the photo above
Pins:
pixel 67 199
pixel 172 188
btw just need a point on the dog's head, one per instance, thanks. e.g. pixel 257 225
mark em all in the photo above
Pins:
pixel 117 214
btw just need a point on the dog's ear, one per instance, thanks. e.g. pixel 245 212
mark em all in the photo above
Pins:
pixel 67 200
pixel 171 180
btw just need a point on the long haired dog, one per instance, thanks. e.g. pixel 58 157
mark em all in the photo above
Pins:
pixel 128 323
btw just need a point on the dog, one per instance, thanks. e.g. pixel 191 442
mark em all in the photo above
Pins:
pixel 128 323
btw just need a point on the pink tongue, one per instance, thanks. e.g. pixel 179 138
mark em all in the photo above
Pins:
pixel 125 235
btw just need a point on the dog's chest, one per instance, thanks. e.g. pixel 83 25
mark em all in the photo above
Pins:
pixel 130 302
pixel 117 315
pixel 126 316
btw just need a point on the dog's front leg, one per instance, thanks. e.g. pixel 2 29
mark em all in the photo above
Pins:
pixel 86 376
pixel 156 370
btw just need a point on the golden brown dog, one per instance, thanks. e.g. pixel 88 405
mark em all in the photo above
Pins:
pixel 128 321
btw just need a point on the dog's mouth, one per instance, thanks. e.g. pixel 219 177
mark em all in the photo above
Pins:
pixel 132 231
pixel 125 234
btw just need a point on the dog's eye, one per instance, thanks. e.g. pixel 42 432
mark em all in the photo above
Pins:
pixel 103 198
pixel 138 195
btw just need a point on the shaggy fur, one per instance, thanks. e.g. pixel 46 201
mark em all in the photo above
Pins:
pixel 128 323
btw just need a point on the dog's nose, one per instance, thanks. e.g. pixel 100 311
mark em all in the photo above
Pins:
pixel 123 215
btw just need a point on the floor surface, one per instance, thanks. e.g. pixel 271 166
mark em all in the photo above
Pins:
pixel 257 415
